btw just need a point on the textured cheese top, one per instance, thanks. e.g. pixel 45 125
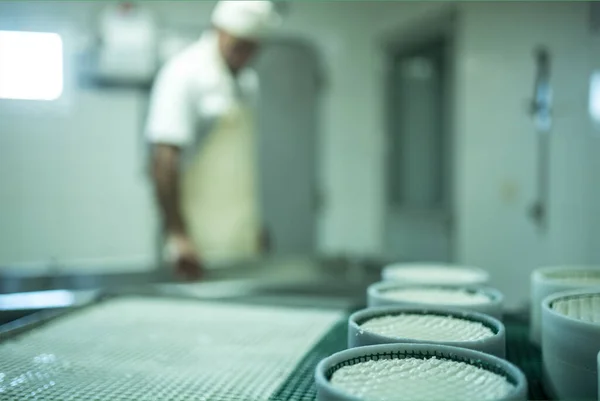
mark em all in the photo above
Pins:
pixel 436 296
pixel 420 379
pixel 435 275
pixel 427 328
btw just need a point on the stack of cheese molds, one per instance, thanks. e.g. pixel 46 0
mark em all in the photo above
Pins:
pixel 430 331
pixel 550 280
pixel 571 343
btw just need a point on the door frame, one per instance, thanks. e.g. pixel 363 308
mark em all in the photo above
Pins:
pixel 317 186
pixel 440 25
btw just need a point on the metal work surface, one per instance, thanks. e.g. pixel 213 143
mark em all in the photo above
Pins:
pixel 143 348
pixel 264 273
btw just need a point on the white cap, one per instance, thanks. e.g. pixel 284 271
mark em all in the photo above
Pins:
pixel 246 19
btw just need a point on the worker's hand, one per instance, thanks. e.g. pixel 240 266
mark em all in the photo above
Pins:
pixel 183 256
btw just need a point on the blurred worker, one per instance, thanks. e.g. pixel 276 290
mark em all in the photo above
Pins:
pixel 201 123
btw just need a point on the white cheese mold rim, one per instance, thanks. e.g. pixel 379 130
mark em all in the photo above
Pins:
pixel 480 299
pixel 443 326
pixel 435 273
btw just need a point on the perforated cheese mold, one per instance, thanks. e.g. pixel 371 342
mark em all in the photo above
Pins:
pixel 436 296
pixel 550 280
pixel 427 327
pixel 161 349
pixel 581 307
pixel 570 341
pixel 420 379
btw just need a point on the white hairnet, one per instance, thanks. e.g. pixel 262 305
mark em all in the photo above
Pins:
pixel 246 19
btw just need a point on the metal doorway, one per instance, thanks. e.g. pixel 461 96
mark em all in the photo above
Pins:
pixel 290 75
pixel 420 149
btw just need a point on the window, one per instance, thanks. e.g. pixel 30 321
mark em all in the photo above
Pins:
pixel 594 103
pixel 31 65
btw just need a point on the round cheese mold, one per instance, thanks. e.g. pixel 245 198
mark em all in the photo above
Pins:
pixel 473 298
pixel 400 324
pixel 570 343
pixel 551 280
pixel 417 372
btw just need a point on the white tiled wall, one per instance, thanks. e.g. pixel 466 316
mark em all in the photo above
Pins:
pixel 496 169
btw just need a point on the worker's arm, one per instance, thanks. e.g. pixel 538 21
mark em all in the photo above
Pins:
pixel 165 173
pixel 170 128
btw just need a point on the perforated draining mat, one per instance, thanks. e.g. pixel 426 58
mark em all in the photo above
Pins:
pixel 165 349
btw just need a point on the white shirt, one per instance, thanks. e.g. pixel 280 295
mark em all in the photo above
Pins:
pixel 192 91
pixel 197 104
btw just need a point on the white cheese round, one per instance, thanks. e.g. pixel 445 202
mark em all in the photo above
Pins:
pixel 435 274
pixel 427 327
pixel 436 296
pixel 420 379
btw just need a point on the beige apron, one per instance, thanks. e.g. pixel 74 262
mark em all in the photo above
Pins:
pixel 219 192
